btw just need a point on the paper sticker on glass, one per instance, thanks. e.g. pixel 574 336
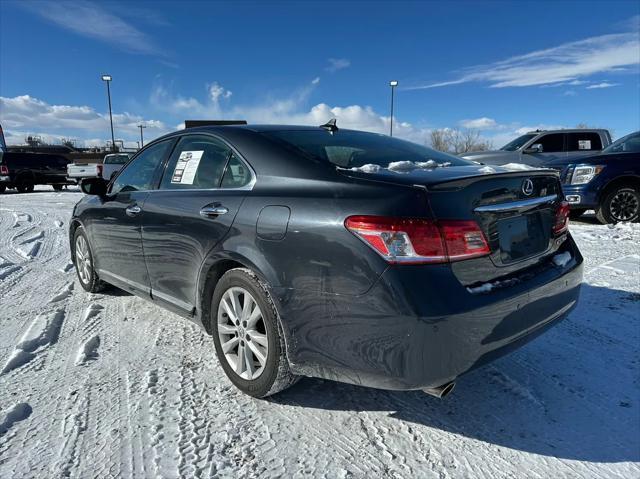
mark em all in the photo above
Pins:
pixel 186 167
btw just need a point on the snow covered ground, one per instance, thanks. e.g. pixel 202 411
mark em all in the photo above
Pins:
pixel 109 385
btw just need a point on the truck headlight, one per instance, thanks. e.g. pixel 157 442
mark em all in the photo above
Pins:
pixel 584 174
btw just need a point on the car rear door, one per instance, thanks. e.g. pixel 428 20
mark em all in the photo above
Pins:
pixel 553 148
pixel 115 225
pixel 203 186
pixel 585 143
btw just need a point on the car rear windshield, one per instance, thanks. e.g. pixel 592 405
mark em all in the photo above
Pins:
pixel 517 143
pixel 356 149
pixel 116 159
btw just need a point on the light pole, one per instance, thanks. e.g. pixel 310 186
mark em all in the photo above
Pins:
pixel 141 126
pixel 107 79
pixel 393 84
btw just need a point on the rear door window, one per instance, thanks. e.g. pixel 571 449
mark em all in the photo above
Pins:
pixel 237 174
pixel 197 162
pixel 586 141
pixel 551 143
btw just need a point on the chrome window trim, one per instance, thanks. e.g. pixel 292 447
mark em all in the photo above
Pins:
pixel 516 205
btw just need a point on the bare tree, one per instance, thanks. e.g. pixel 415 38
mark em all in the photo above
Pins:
pixel 453 140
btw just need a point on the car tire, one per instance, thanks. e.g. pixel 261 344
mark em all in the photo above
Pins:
pixel 258 367
pixel 620 204
pixel 575 214
pixel 24 185
pixel 57 187
pixel 83 261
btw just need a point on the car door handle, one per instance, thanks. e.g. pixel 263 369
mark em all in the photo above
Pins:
pixel 133 210
pixel 211 211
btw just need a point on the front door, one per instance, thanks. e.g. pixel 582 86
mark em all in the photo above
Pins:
pixel 115 231
pixel 201 191
pixel 553 148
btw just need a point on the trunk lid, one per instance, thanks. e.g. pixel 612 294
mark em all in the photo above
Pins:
pixel 516 211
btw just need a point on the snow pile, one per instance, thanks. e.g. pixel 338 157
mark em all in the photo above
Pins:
pixel 518 167
pixel 487 170
pixel 401 166
pixel 368 168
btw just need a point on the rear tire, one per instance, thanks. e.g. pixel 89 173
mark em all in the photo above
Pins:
pixel 24 185
pixel 234 325
pixel 83 261
pixel 620 204
pixel 57 187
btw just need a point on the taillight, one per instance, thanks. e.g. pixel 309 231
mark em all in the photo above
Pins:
pixel 4 170
pixel 100 169
pixel 561 223
pixel 417 240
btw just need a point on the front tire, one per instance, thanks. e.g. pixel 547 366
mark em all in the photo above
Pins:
pixel 247 335
pixel 83 261
pixel 620 204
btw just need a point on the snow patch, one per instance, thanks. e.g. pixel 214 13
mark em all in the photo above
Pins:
pixel 368 168
pixel 15 413
pixel 490 286
pixel 31 251
pixel 42 332
pixel 63 294
pixel 92 311
pixel 562 259
pixel 58 223
pixel 88 350
pixel 487 170
pixel 518 167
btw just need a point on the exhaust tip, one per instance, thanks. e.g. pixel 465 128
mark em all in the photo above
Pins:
pixel 441 391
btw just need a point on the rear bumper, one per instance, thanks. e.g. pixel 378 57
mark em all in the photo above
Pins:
pixel 419 327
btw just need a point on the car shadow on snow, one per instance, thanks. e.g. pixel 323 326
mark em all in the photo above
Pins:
pixel 572 393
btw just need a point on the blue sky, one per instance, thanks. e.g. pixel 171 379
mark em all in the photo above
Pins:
pixel 499 67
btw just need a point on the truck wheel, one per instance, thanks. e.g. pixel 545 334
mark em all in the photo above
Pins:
pixel 620 204
pixel 57 187
pixel 24 186
pixel 247 335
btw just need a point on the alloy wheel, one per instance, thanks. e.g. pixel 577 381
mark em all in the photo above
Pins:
pixel 83 259
pixel 624 206
pixel 242 333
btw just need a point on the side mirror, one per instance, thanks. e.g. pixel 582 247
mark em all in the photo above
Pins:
pixel 94 186
pixel 536 148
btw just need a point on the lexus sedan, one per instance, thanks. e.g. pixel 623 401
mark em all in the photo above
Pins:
pixel 339 254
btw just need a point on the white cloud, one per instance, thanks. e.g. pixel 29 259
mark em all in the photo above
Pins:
pixel 217 92
pixel 569 93
pixel 483 123
pixel 336 64
pixel 603 84
pixel 566 63
pixel 91 20
pixel 315 81
pixel 24 114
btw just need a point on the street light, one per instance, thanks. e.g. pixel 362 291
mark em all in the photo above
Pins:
pixel 141 126
pixel 107 79
pixel 393 84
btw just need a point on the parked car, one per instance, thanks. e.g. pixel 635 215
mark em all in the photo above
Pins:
pixel 110 165
pixel 608 183
pixel 537 148
pixel 23 171
pixel 338 254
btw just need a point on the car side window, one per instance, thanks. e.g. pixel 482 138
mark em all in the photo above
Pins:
pixel 197 162
pixel 586 141
pixel 551 143
pixel 237 174
pixel 138 175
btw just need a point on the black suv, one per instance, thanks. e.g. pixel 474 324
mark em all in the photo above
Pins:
pixel 332 253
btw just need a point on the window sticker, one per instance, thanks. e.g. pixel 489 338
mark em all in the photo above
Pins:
pixel 584 144
pixel 186 167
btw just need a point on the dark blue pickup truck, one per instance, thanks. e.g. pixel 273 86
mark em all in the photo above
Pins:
pixel 608 183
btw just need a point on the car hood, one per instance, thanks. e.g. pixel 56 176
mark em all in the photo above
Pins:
pixel 562 162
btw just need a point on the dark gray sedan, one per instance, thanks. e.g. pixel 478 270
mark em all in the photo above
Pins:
pixel 314 251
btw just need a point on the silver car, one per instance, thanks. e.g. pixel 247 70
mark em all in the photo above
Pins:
pixel 539 147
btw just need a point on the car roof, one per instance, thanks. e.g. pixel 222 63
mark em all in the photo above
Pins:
pixel 567 130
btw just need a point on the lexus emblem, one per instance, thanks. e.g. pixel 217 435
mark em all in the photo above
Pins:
pixel 527 187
